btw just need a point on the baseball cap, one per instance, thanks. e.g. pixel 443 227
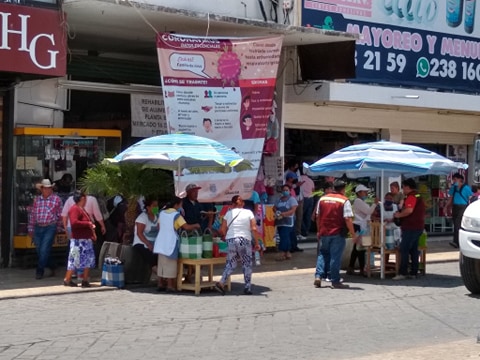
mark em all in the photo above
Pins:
pixel 192 187
pixel 44 183
pixel 361 188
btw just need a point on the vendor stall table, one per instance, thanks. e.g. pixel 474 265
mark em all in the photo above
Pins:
pixel 199 283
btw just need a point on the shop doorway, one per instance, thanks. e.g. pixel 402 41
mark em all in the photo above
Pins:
pixel 310 145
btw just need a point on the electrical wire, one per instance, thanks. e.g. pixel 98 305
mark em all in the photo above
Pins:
pixel 143 17
pixel 274 10
pixel 286 16
pixel 157 32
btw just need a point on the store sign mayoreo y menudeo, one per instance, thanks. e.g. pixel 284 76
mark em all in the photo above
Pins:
pixel 32 40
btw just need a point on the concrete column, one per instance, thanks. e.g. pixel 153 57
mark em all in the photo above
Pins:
pixel 394 135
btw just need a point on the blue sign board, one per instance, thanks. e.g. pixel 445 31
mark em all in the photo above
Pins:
pixel 415 43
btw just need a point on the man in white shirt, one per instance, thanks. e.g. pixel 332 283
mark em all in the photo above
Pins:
pixel 307 189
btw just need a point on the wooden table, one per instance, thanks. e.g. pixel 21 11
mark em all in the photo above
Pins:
pixel 199 283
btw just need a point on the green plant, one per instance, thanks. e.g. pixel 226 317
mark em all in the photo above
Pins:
pixel 131 181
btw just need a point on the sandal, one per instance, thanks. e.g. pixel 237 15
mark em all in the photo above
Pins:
pixel 219 288
pixel 70 283
pixel 281 258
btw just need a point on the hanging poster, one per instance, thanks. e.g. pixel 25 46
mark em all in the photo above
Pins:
pixel 148 115
pixel 222 89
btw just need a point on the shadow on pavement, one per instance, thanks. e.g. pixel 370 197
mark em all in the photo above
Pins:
pixel 438 251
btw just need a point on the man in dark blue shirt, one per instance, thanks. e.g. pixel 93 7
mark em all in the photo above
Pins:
pixel 195 212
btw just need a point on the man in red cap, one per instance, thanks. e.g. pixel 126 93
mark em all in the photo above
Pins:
pixel 191 207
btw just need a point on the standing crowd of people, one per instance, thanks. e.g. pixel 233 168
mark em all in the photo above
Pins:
pixel 156 234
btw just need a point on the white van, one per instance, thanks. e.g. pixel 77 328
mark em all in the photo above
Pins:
pixel 469 239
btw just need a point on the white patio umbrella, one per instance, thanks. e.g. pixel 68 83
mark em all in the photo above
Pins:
pixel 177 152
pixel 380 159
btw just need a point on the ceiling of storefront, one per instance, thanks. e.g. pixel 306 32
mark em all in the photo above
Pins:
pixel 115 26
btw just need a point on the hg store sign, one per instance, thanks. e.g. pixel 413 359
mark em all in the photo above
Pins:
pixel 32 40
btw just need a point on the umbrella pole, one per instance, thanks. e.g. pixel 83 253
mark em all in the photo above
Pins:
pixel 382 232
pixel 178 178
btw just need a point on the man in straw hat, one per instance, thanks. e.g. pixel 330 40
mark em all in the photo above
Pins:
pixel 44 218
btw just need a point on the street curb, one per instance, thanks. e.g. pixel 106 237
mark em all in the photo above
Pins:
pixel 50 290
pixel 6 294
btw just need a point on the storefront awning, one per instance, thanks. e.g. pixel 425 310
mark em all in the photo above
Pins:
pixel 129 27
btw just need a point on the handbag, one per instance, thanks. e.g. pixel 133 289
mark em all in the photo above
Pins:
pixel 283 220
pixel 112 273
pixel 207 244
pixel 109 249
pixel 190 245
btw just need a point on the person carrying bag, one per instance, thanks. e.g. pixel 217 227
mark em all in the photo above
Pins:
pixel 167 244
pixel 237 226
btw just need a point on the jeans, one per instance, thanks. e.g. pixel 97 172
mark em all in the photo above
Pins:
pixel 43 237
pixel 331 248
pixel 409 248
pixel 307 215
pixel 284 233
pixel 293 239
pixel 457 213
pixel 326 270
pixel 299 218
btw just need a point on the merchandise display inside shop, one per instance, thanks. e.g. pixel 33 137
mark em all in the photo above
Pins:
pixel 60 155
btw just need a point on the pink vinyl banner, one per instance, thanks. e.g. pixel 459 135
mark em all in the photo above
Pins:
pixel 222 89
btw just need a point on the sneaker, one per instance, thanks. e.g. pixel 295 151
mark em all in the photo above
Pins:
pixel 301 238
pixel 330 280
pixel 317 283
pixel 339 286
pixel 85 284
pixel 247 291
pixel 399 277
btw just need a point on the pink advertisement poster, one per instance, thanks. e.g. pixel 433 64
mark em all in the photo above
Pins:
pixel 222 89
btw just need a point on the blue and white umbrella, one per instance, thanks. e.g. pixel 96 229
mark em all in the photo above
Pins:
pixel 380 159
pixel 180 151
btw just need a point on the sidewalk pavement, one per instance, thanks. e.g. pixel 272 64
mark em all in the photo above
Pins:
pixel 19 282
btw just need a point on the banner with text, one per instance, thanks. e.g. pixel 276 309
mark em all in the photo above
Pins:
pixel 148 115
pixel 221 89
pixel 421 43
